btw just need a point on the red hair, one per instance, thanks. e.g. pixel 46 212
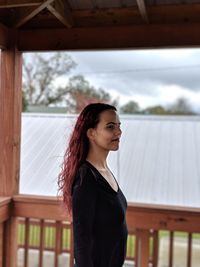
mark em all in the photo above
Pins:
pixel 77 150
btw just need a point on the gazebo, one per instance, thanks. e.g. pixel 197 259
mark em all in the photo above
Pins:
pixel 50 25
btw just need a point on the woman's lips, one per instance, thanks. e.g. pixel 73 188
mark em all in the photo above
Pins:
pixel 115 140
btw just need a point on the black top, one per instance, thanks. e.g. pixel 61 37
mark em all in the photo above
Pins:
pixel 99 223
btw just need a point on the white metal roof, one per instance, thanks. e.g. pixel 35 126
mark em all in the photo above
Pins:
pixel 158 161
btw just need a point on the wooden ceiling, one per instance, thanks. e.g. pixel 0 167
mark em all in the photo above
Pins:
pixel 99 24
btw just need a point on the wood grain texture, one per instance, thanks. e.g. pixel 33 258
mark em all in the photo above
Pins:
pixel 19 3
pixel 139 216
pixel 1 244
pixel 10 243
pixel 38 207
pixel 141 220
pixel 143 247
pixel 3 37
pixel 143 11
pixel 142 36
pixel 10 120
pixel 163 218
pixel 5 212
pixel 61 10
pixel 27 14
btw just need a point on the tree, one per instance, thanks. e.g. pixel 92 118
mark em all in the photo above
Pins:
pixel 130 108
pixel 24 102
pixel 81 93
pixel 158 110
pixel 39 74
pixel 181 107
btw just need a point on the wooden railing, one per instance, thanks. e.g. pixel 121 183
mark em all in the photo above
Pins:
pixel 5 213
pixel 146 220
pixel 45 235
pixel 43 213
pixel 43 227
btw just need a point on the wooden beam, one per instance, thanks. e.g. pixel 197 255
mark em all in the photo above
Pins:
pixel 19 3
pixel 3 37
pixel 110 16
pixel 61 10
pixel 157 14
pixel 142 9
pixel 10 119
pixel 132 37
pixel 28 14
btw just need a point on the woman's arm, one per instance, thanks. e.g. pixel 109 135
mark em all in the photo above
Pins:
pixel 83 206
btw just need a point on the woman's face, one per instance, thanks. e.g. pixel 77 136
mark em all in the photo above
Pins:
pixel 107 133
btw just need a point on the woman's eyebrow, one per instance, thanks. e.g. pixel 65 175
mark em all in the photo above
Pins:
pixel 114 123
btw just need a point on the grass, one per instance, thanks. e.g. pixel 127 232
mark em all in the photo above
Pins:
pixel 50 238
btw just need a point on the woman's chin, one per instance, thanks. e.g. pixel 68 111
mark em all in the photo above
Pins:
pixel 115 148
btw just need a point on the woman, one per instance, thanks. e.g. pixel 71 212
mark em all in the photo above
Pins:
pixel 91 192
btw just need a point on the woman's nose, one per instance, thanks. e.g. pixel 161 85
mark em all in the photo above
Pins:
pixel 118 131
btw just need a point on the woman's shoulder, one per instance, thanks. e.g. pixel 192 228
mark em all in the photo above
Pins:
pixel 83 169
pixel 84 173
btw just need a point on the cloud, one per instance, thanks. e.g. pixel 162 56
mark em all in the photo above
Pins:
pixel 156 76
pixel 143 70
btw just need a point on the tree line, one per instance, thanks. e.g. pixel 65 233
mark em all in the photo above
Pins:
pixel 41 71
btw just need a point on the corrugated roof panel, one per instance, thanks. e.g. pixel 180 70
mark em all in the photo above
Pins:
pixel 43 141
pixel 158 161
pixel 191 178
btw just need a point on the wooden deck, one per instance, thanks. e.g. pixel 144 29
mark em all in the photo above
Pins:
pixel 145 222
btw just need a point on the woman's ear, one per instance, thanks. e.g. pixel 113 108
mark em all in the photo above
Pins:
pixel 90 133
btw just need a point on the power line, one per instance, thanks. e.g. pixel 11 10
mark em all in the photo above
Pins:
pixel 142 69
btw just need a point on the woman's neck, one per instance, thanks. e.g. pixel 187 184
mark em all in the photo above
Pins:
pixel 98 159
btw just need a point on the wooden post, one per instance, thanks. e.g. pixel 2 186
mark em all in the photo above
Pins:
pixel 143 248
pixel 155 248
pixel 1 244
pixel 171 251
pixel 71 260
pixel 41 249
pixel 10 130
pixel 189 250
pixel 26 243
pixel 58 226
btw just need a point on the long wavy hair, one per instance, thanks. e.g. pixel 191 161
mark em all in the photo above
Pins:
pixel 77 150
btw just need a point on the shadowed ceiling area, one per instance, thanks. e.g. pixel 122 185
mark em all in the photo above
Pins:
pixel 36 14
pixel 101 24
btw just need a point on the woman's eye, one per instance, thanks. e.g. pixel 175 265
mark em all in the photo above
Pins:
pixel 110 126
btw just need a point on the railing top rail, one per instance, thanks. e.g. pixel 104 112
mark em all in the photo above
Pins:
pixel 160 217
pixel 23 198
pixel 159 207
pixel 37 199
pixel 5 208
pixel 4 201
pixel 40 207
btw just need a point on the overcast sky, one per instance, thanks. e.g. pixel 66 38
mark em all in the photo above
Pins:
pixel 149 77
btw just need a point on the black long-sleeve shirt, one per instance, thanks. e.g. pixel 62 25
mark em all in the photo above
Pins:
pixel 99 224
